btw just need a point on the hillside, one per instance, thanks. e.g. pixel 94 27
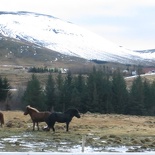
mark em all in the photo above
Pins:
pixel 66 38
pixel 18 53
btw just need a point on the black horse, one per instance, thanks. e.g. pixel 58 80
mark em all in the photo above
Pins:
pixel 65 117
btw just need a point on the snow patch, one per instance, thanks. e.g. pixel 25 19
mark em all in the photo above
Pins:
pixel 66 38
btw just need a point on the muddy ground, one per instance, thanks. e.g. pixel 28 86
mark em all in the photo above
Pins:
pixel 102 133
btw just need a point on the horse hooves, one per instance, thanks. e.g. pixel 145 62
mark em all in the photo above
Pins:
pixel 46 129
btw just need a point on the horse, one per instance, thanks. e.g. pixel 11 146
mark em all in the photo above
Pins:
pixel 65 117
pixel 36 116
pixel 1 119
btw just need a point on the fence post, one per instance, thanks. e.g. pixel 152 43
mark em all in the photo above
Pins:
pixel 83 142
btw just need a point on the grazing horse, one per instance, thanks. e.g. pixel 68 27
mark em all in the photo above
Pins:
pixel 65 117
pixel 1 119
pixel 36 116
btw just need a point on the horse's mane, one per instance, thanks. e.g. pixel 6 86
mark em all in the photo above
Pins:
pixel 31 108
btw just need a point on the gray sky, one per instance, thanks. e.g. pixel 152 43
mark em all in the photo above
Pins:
pixel 129 23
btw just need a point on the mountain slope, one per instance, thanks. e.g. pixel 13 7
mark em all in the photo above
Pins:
pixel 18 53
pixel 66 38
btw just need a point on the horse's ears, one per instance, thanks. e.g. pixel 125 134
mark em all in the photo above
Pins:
pixel 27 106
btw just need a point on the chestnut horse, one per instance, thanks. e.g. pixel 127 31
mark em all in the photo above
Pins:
pixel 1 119
pixel 36 116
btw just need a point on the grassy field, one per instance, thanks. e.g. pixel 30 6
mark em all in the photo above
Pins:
pixel 99 130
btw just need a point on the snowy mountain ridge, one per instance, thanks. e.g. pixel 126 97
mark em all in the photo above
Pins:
pixel 66 38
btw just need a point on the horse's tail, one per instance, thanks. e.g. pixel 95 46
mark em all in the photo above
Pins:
pixel 2 118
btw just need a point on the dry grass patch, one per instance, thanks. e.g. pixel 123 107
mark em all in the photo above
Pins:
pixel 101 124
pixel 101 130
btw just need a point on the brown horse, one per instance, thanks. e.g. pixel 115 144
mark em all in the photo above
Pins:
pixel 1 119
pixel 36 116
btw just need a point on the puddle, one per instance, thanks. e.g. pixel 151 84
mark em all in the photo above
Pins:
pixel 28 142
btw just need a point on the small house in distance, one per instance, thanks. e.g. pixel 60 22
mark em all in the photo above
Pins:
pixel 148 70
pixel 133 73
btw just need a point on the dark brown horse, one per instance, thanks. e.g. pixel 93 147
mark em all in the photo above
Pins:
pixel 65 117
pixel 36 116
pixel 1 119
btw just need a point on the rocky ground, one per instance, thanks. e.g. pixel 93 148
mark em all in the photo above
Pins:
pixel 97 132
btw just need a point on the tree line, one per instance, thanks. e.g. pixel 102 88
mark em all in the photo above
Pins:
pixel 42 70
pixel 96 92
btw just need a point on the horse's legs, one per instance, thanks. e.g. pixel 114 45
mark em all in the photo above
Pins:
pixel 52 126
pixel 38 125
pixel 33 125
pixel 67 126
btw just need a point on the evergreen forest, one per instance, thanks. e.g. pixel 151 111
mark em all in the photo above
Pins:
pixel 96 92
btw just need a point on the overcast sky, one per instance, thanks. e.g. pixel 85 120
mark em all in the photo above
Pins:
pixel 129 23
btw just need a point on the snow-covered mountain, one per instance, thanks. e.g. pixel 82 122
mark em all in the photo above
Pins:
pixel 66 38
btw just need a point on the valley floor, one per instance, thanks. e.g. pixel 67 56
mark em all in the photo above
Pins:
pixel 101 133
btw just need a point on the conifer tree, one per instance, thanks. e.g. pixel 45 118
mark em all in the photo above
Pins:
pixel 1 90
pixel 81 91
pixel 67 90
pixel 106 95
pixel 4 89
pixel 60 104
pixel 91 88
pixel 75 98
pixel 50 93
pixel 136 103
pixel 95 89
pixel 34 95
pixel 147 97
pixel 151 106
pixel 119 92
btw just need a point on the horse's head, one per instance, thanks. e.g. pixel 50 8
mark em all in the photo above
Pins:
pixel 75 113
pixel 26 112
pixel 30 110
